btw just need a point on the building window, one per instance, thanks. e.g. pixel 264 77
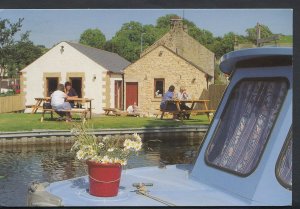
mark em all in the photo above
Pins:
pixel 159 87
pixel 51 85
pixel 245 125
pixel 284 165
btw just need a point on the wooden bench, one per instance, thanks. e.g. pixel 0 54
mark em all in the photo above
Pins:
pixel 207 112
pixel 108 110
pixel 118 112
pixel 83 112
pixel 182 112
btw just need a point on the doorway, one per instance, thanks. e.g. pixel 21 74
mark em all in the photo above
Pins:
pixel 77 85
pixel 131 93
pixel 51 85
pixel 118 95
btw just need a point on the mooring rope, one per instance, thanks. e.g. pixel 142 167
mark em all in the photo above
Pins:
pixel 155 198
pixel 142 190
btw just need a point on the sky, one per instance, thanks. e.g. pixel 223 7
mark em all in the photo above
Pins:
pixel 48 27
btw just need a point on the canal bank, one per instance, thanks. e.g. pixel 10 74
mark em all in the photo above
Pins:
pixel 40 137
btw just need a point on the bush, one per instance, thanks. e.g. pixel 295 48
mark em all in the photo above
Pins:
pixel 8 93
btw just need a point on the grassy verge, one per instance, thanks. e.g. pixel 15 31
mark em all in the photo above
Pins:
pixel 28 122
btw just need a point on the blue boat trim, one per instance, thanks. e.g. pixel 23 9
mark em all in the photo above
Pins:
pixel 229 61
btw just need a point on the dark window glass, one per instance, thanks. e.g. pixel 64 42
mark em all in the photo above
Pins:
pixel 159 87
pixel 284 165
pixel 245 125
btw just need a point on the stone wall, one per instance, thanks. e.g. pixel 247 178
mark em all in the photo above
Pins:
pixel 163 63
pixel 181 43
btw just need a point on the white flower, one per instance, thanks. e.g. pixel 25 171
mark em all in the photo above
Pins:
pixel 74 131
pixel 138 146
pixel 137 137
pixel 80 155
pixel 127 144
pixel 89 148
pixel 110 149
pixel 106 159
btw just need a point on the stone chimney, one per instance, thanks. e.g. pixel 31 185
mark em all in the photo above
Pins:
pixel 176 23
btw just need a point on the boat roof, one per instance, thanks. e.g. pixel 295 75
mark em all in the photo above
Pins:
pixel 255 57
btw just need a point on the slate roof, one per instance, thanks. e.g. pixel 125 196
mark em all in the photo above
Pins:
pixel 110 61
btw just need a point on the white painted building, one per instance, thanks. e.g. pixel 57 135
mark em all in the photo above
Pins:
pixel 94 73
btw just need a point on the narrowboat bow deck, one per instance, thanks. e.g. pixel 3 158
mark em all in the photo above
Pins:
pixel 245 158
pixel 171 187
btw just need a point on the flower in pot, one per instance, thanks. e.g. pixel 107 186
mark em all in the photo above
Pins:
pixel 104 157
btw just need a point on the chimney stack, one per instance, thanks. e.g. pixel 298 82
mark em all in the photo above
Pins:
pixel 176 23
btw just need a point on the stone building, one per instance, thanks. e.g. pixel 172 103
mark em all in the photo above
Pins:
pixel 94 73
pixel 176 59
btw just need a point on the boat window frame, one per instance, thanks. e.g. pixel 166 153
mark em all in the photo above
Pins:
pixel 279 159
pixel 207 162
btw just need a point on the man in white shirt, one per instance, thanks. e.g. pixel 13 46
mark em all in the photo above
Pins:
pixel 58 102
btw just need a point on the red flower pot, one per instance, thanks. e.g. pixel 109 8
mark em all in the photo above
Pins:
pixel 104 178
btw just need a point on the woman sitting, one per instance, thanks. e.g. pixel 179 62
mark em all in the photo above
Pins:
pixel 59 104
pixel 164 105
pixel 71 93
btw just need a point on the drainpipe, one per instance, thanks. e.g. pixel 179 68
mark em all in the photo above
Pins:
pixel 123 89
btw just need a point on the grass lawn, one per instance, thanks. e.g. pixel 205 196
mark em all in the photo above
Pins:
pixel 28 122
pixel 286 39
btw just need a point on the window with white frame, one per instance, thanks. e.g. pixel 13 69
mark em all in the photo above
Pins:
pixel 159 87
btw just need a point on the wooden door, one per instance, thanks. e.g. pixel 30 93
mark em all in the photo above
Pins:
pixel 131 93
pixel 118 95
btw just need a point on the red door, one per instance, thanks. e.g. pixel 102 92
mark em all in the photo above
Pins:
pixel 131 93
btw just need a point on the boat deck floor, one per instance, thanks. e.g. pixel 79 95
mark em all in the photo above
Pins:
pixel 171 186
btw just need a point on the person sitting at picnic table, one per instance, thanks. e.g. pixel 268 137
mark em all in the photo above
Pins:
pixel 164 105
pixel 71 93
pixel 58 102
pixel 132 108
pixel 183 95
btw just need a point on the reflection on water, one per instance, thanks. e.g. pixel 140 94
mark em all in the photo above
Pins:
pixel 23 164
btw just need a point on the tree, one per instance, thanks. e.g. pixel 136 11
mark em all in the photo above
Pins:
pixel 225 44
pixel 24 52
pixel 126 41
pixel 264 33
pixel 93 37
pixel 7 32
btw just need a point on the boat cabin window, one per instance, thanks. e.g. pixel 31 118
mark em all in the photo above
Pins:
pixel 245 125
pixel 284 165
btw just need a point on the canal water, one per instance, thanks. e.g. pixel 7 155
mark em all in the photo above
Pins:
pixel 21 165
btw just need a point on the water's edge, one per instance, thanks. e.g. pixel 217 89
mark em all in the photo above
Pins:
pixel 39 137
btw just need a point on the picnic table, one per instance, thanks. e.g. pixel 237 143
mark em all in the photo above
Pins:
pixel 117 112
pixel 41 100
pixel 204 103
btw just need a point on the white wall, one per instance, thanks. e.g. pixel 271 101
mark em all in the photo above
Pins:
pixel 113 78
pixel 70 60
